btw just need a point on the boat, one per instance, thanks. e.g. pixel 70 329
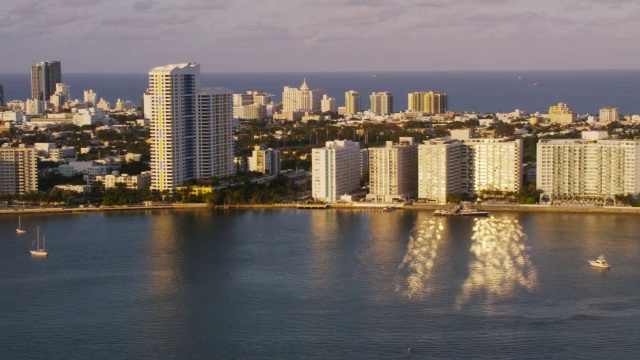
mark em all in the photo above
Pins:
pixel 600 262
pixel 462 209
pixel 538 84
pixel 39 251
pixel 19 229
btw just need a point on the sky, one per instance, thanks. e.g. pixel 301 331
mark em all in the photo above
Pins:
pixel 118 36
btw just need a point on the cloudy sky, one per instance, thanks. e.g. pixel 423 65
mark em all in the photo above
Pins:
pixel 320 35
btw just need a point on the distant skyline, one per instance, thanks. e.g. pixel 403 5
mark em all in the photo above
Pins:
pixel 121 36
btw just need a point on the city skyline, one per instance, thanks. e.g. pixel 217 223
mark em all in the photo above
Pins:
pixel 453 35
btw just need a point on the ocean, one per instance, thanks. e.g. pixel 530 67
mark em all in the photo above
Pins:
pixel 319 284
pixel 584 91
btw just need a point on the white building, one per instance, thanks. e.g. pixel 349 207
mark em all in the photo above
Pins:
pixel 90 116
pixel 335 170
pixel 465 165
pixel 589 167
pixel 18 170
pixel 90 98
pixel 124 105
pixel 66 152
pixel 14 117
pixel 328 104
pixel 104 105
pixel 303 99
pixel 266 161
pixel 214 130
pixel 393 171
pixel 34 107
pixel 136 182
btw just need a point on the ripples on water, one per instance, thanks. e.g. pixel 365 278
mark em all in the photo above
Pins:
pixel 329 284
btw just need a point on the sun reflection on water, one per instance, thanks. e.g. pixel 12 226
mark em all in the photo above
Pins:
pixel 419 259
pixel 501 264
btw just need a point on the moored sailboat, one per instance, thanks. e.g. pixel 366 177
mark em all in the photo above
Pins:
pixel 39 251
pixel 19 229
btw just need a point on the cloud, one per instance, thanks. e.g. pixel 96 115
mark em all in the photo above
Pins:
pixel 144 5
pixel 206 4
pixel 367 3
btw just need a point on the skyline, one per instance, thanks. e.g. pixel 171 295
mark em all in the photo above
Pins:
pixel 322 35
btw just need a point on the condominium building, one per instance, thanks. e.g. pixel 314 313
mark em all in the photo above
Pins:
pixel 465 165
pixel 328 104
pixel 393 171
pixel 429 102
pixel 191 134
pixel 352 102
pixel 301 99
pixel 18 170
pixel 335 170
pixel 609 114
pixel 561 114
pixel 266 161
pixel 593 166
pixel 137 182
pixel 381 103
pixel 44 77
pixel 90 98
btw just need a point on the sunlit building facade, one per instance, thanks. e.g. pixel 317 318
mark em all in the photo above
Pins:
pixel 335 170
pixel 381 103
pixel 352 103
pixel 428 101
pixel 302 99
pixel 18 170
pixel 393 171
pixel 44 77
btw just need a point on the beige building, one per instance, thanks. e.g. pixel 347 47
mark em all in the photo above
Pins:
pixel 465 165
pixel 560 114
pixel 302 99
pixel 335 170
pixel 328 104
pixel 381 103
pixel 137 182
pixel 18 170
pixel 352 102
pixel 393 171
pixel 609 114
pixel 266 161
pixel 593 166
pixel 429 102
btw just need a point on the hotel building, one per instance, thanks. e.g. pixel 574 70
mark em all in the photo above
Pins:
pixel 191 134
pixel 393 171
pixel 461 164
pixel 560 114
pixel 429 102
pixel 593 166
pixel 335 170
pixel 381 103
pixel 18 170
pixel 303 99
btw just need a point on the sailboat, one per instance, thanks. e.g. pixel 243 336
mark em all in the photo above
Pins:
pixel 19 229
pixel 38 250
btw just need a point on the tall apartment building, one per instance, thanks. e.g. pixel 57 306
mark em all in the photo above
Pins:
pixel 465 165
pixel 381 103
pixel 335 170
pixel 328 104
pixel 191 135
pixel 609 114
pixel 393 171
pixel 561 114
pixel 352 102
pixel 303 99
pixel 429 102
pixel 266 161
pixel 18 170
pixel 44 77
pixel 1 96
pixel 593 166
pixel 90 97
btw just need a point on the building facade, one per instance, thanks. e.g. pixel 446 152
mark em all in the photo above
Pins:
pixel 352 103
pixel 302 99
pixel 561 114
pixel 214 133
pixel 381 103
pixel 335 170
pixel 591 167
pixel 429 102
pixel 393 171
pixel 18 170
pixel 266 161
pixel 328 104
pixel 44 77
pixel 609 114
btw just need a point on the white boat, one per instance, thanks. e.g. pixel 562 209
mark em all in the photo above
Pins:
pixel 463 209
pixel 39 251
pixel 19 229
pixel 600 262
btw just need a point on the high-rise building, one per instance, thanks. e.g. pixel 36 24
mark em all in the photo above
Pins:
pixel 90 98
pixel 266 161
pixel 593 166
pixel 335 170
pixel 609 114
pixel 191 129
pixel 393 171
pixel 302 99
pixel 429 102
pixel 352 102
pixel 1 96
pixel 461 165
pixel 382 103
pixel 44 77
pixel 18 170
pixel 328 104
pixel 560 114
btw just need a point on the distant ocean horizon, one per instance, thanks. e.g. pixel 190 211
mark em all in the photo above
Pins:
pixel 585 91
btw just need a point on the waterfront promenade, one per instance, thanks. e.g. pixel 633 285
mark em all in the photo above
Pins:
pixel 354 206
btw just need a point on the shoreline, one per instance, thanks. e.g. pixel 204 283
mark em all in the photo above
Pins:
pixel 354 206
